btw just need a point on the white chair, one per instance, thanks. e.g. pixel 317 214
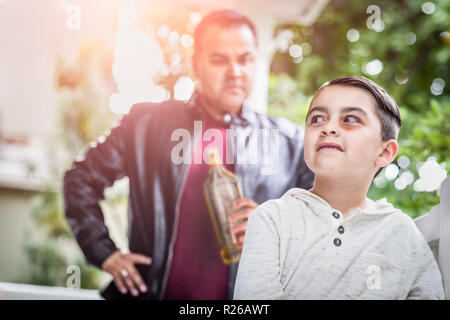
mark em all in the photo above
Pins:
pixel 435 226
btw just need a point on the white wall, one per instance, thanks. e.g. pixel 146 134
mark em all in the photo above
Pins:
pixel 15 219
pixel 30 31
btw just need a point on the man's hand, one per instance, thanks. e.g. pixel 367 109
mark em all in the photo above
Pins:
pixel 240 211
pixel 126 277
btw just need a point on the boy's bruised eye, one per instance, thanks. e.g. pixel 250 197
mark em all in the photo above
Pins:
pixel 352 119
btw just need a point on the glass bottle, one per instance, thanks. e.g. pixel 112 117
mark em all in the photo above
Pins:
pixel 221 188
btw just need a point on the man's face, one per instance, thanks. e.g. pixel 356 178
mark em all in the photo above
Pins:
pixel 343 134
pixel 225 66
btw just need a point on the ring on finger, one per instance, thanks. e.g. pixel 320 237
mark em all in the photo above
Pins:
pixel 124 272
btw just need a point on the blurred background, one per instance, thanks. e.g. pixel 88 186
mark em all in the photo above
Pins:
pixel 70 69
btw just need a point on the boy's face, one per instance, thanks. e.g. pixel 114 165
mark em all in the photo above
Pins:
pixel 343 134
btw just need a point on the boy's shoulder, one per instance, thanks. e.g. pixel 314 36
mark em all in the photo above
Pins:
pixel 275 211
pixel 280 204
pixel 389 211
pixel 283 208
pixel 400 225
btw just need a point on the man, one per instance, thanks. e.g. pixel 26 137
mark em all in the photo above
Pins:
pixel 174 253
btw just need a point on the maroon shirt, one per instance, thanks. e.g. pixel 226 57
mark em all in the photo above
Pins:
pixel 197 270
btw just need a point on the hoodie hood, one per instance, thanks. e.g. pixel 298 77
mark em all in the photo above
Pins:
pixel 378 207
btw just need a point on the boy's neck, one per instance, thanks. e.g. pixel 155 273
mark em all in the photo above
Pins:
pixel 341 196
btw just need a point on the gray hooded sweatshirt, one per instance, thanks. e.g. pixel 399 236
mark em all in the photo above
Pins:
pixel 299 247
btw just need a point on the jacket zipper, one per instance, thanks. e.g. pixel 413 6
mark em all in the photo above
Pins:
pixel 175 229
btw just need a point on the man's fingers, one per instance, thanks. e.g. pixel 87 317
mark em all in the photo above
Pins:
pixel 239 227
pixel 139 258
pixel 126 277
pixel 119 283
pixel 241 214
pixel 129 283
pixel 240 240
pixel 134 274
pixel 243 202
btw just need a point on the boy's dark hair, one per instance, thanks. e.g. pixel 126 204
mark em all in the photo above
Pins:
pixel 223 18
pixel 386 108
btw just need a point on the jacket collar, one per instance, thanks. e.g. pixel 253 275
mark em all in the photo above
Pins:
pixel 241 119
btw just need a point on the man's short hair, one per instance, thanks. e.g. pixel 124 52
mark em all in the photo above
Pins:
pixel 222 18
pixel 386 107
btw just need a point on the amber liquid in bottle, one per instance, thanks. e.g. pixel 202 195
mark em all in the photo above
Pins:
pixel 221 188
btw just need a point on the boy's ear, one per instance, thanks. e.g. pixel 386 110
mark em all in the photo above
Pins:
pixel 388 153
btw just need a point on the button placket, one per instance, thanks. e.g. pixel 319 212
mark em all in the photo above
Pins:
pixel 337 241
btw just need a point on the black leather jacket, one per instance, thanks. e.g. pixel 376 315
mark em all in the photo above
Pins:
pixel 140 147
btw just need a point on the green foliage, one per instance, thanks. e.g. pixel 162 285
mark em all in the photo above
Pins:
pixel 49 267
pixel 287 99
pixel 414 50
pixel 47 211
pixel 84 85
pixel 48 264
pixel 431 133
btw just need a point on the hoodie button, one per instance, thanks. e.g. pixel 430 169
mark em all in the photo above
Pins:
pixel 337 242
pixel 341 229
pixel 336 215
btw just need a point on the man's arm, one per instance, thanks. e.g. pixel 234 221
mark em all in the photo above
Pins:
pixel 259 274
pixel 84 184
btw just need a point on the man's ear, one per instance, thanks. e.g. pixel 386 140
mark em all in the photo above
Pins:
pixel 388 153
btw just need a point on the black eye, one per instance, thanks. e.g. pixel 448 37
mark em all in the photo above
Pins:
pixel 352 119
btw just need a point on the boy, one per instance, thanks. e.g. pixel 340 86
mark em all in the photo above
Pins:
pixel 332 242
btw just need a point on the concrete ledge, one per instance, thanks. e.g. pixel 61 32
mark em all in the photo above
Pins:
pixel 15 291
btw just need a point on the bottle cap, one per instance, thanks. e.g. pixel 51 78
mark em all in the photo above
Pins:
pixel 213 157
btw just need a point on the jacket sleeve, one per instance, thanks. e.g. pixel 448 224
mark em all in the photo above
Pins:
pixel 259 274
pixel 83 188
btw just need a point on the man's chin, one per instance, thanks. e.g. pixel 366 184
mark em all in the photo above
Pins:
pixel 227 102
pixel 232 104
pixel 232 108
